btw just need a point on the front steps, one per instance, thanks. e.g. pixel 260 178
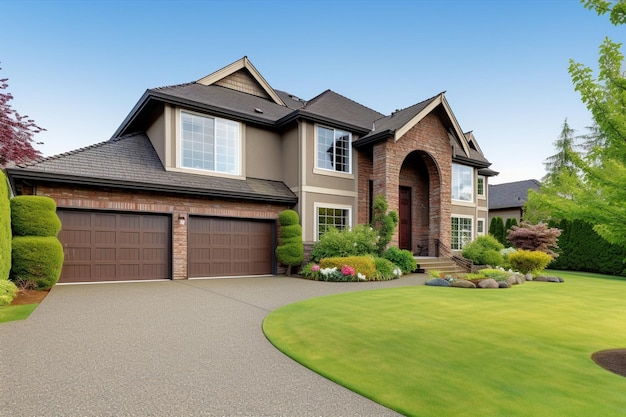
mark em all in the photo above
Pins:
pixel 441 264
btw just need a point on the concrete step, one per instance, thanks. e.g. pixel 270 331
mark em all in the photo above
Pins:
pixel 441 264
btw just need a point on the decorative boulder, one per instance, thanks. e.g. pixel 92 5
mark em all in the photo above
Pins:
pixel 504 284
pixel 488 283
pixel 541 278
pixel 549 279
pixel 463 283
pixel 516 279
pixel 438 282
pixel 529 277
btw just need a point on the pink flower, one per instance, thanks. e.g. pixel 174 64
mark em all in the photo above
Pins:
pixel 347 270
pixel 315 268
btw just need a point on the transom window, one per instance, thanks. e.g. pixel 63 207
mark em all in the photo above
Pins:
pixel 328 217
pixel 333 149
pixel 461 232
pixel 462 183
pixel 210 143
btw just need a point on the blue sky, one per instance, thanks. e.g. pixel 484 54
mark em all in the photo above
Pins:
pixel 78 67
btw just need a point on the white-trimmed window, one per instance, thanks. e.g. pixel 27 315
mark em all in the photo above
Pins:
pixel 331 216
pixel 210 143
pixel 480 186
pixel 480 227
pixel 462 183
pixel 334 149
pixel 461 232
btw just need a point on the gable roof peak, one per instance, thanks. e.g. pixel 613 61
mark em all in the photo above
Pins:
pixel 242 64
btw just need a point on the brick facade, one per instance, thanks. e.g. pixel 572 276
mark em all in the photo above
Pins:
pixel 421 160
pixel 178 206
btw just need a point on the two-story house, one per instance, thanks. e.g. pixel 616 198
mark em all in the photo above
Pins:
pixel 192 182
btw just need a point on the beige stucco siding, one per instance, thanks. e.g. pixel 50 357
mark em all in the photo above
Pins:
pixel 156 134
pixel 263 154
pixel 463 210
pixel 505 214
pixel 290 158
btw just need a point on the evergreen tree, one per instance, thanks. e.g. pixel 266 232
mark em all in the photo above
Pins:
pixel 563 160
pixel 496 229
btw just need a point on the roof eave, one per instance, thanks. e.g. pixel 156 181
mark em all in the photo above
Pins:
pixel 378 136
pixel 22 174
pixel 303 114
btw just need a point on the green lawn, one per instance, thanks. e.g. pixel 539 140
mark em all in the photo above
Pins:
pixel 435 351
pixel 12 313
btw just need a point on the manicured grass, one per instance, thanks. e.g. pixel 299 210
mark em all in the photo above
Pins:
pixel 435 351
pixel 20 312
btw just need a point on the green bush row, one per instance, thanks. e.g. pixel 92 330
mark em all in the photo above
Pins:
pixel 5 229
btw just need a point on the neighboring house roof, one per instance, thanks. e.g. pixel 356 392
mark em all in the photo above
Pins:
pixel 511 195
pixel 131 162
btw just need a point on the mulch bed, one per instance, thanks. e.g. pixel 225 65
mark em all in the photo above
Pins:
pixel 29 297
pixel 613 360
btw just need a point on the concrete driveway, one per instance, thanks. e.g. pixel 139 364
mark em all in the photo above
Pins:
pixel 171 348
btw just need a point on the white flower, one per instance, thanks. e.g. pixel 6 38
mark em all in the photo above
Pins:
pixel 361 276
pixel 397 272
pixel 354 244
pixel 327 271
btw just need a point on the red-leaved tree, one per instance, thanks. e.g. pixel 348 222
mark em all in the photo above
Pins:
pixel 535 237
pixel 16 132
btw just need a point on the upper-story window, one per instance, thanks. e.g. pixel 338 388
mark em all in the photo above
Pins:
pixel 334 150
pixel 480 186
pixel 210 143
pixel 462 183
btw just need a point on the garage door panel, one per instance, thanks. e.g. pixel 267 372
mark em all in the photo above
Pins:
pixel 103 246
pixel 229 247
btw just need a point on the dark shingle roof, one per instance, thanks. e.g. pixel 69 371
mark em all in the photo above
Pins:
pixel 511 194
pixel 331 105
pixel 131 162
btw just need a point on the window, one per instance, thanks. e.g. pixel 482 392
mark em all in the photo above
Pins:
pixel 461 232
pixel 210 143
pixel 328 217
pixel 333 149
pixel 480 186
pixel 480 227
pixel 462 184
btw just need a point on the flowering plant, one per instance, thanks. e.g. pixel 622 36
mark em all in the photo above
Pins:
pixel 347 270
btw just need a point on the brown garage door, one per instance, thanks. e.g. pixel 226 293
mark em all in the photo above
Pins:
pixel 229 247
pixel 105 246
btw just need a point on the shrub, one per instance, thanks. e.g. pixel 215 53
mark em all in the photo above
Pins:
pixel 497 274
pixel 535 237
pixel 496 229
pixel 36 261
pixel 477 249
pixel 359 241
pixel 34 216
pixel 363 265
pixel 385 270
pixel 8 291
pixel 383 222
pixel 5 229
pixel 401 258
pixel 290 250
pixel 526 261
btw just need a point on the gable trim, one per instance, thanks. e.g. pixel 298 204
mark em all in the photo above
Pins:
pixel 243 63
pixel 440 100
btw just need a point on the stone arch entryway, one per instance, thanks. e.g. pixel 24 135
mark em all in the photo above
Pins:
pixel 419 204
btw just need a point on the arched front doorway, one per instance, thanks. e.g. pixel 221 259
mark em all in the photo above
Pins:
pixel 419 204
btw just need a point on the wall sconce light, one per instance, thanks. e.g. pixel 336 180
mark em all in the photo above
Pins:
pixel 181 219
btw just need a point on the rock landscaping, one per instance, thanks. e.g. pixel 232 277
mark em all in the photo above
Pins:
pixel 487 278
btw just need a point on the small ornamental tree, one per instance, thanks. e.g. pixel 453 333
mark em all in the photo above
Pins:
pixel 290 251
pixel 384 222
pixel 535 237
pixel 16 132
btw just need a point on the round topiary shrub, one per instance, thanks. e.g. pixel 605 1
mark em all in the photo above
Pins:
pixel 34 216
pixel 37 261
pixel 477 249
pixel 8 291
pixel 290 251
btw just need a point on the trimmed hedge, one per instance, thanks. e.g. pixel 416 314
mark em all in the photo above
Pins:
pixel 290 251
pixel 288 218
pixel 402 258
pixel 34 216
pixel 5 229
pixel 36 261
pixel 361 264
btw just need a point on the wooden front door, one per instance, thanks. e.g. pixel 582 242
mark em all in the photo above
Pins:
pixel 404 212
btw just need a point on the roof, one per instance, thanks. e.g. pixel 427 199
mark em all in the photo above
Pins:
pixel 131 162
pixel 511 194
